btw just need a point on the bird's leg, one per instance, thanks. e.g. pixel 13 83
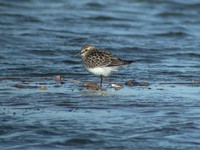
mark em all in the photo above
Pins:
pixel 101 80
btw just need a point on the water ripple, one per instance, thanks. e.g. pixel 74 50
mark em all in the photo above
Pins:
pixel 38 42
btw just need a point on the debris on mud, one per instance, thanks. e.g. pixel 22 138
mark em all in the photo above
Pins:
pixel 116 86
pixel 135 83
pixel 93 86
pixel 43 88
pixel 59 79
pixel 19 86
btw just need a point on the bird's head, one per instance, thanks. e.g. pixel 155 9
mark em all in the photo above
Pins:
pixel 86 49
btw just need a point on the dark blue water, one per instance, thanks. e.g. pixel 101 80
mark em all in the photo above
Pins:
pixel 38 40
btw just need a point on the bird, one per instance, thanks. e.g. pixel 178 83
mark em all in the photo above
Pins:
pixel 100 62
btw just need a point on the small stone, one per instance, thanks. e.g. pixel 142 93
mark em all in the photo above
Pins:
pixel 93 86
pixel 116 86
pixel 43 87
pixel 59 78
pixel 131 83
pixel 135 83
pixel 20 86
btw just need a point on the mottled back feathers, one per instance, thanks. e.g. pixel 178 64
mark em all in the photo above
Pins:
pixel 103 59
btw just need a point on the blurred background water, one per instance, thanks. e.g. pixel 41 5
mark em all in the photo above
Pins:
pixel 38 40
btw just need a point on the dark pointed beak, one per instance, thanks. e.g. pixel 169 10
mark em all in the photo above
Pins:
pixel 78 55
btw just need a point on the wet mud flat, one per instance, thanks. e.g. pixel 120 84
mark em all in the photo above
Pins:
pixel 24 94
pixel 75 84
pixel 74 89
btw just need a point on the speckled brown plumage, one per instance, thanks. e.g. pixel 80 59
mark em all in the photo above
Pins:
pixel 102 59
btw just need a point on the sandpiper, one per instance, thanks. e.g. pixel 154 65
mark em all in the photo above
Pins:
pixel 100 62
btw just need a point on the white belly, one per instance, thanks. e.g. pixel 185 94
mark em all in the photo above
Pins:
pixel 104 71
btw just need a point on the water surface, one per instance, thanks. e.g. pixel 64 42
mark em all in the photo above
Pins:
pixel 39 40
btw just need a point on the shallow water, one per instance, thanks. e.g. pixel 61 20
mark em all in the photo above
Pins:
pixel 39 40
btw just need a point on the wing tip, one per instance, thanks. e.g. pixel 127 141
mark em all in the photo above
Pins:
pixel 127 62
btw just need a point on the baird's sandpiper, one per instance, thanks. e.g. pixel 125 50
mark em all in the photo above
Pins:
pixel 100 62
